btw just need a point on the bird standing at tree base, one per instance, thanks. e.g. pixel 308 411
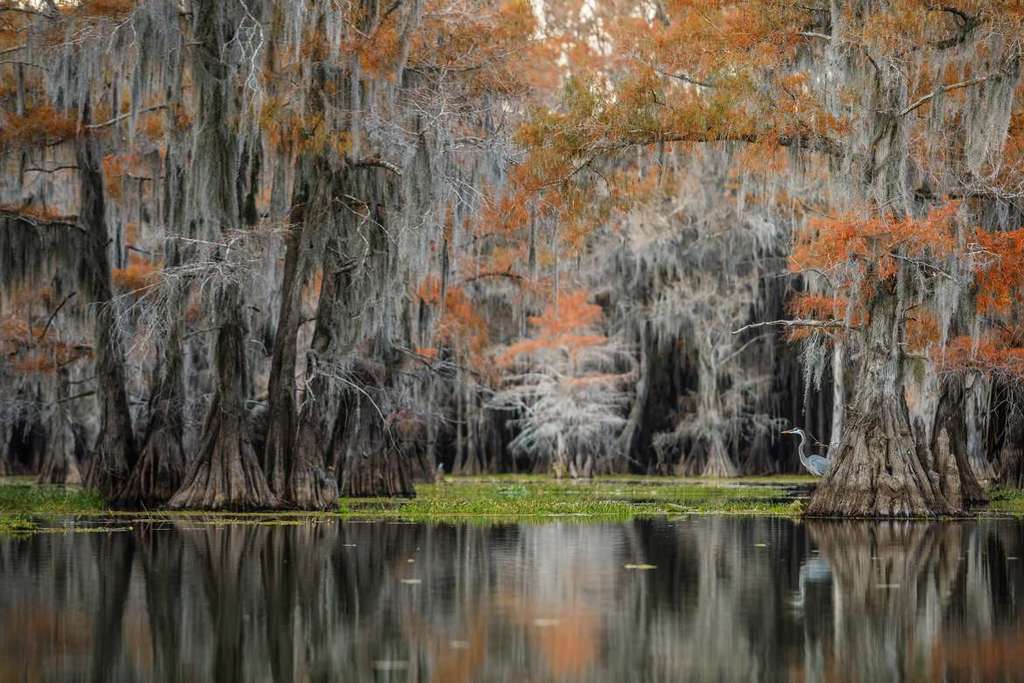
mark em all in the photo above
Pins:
pixel 815 464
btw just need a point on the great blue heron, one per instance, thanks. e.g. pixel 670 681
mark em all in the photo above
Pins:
pixel 815 464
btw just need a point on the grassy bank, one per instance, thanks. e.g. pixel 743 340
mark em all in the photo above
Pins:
pixel 21 496
pixel 497 498
pixel 601 498
pixel 488 498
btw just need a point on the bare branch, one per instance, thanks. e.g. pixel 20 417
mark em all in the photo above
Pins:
pixel 944 89
pixel 376 162
pixel 819 324
pixel 121 117
pixel 49 321
pixel 40 220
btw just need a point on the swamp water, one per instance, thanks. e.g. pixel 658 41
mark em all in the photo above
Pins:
pixel 699 598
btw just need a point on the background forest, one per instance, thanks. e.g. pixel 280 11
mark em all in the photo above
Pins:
pixel 256 253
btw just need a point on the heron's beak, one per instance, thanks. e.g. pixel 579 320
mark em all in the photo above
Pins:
pixel 789 431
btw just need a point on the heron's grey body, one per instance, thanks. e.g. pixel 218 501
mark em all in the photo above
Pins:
pixel 815 464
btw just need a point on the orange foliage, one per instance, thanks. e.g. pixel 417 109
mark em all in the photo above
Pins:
pixel 113 175
pixel 922 331
pixel 33 349
pixel 461 326
pixel 1001 279
pixel 152 126
pixel 34 214
pixel 565 324
pixel 427 352
pixel 430 290
pixel 112 9
pixel 817 306
pixel 875 242
pixel 136 277
pixel 42 125
pixel 1000 352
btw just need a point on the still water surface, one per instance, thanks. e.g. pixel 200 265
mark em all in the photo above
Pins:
pixel 701 599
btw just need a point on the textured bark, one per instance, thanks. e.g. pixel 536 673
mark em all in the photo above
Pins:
pixel 6 465
pixel 877 469
pixel 838 395
pixel 719 464
pixel 60 460
pixel 950 446
pixel 161 466
pixel 1011 455
pixel 281 417
pixel 372 462
pixel 114 454
pixel 225 474
pixel 709 412
pixel 977 402
pixel 295 472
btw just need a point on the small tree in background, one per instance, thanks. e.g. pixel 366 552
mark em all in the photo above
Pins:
pixel 571 385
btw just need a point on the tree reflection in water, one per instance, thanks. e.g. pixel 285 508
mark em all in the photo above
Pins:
pixel 728 598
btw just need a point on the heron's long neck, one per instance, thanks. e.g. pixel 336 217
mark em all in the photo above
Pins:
pixel 801 450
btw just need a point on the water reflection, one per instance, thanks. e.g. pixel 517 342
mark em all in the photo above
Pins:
pixel 727 599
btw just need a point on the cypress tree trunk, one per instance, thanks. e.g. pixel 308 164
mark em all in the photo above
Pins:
pixel 719 464
pixel 878 469
pixel 161 466
pixel 1011 455
pixel 6 431
pixel 225 473
pixel 838 394
pixel 114 454
pixel 60 460
pixel 372 463
pixel 279 449
pixel 977 403
pixel 295 471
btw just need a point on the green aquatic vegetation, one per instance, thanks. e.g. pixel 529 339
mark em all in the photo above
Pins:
pixel 522 496
pixel 1007 501
pixel 23 497
pixel 485 499
pixel 16 525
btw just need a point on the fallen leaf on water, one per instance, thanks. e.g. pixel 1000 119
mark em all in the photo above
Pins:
pixel 412 582
pixel 641 566
pixel 543 623
pixel 459 644
pixel 887 586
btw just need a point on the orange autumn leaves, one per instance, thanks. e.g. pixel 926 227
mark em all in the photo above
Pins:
pixel 462 327
pixel 874 243
pixel 856 252
pixel 564 325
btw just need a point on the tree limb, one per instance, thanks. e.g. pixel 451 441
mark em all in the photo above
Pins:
pixel 819 324
pixel 41 221
pixel 121 117
pixel 944 89
pixel 376 162
pixel 49 321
